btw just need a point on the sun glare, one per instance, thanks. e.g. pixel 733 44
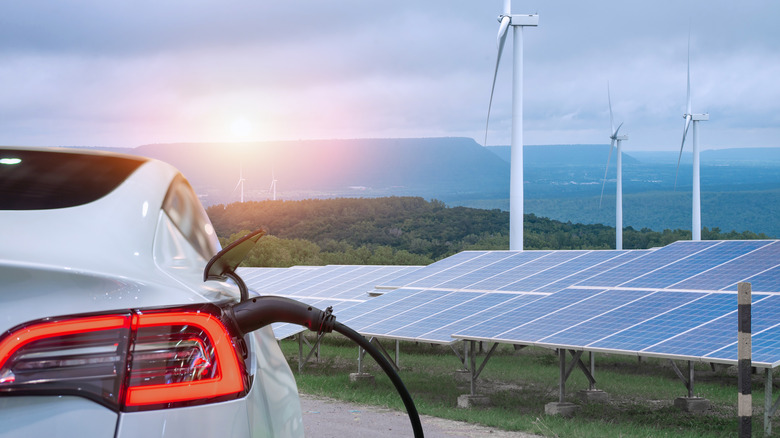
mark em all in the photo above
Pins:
pixel 241 129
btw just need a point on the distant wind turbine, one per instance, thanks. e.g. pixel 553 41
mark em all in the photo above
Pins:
pixel 272 189
pixel 695 118
pixel 240 183
pixel 517 21
pixel 615 138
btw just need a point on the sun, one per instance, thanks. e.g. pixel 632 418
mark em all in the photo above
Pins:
pixel 241 129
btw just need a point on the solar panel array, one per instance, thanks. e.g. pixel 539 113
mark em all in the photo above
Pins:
pixel 678 301
pixel 339 286
pixel 465 289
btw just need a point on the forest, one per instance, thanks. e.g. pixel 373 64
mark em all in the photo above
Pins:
pixel 409 231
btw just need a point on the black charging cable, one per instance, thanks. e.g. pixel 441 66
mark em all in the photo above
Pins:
pixel 258 312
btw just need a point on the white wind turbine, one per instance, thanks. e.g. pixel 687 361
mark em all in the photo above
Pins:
pixel 517 21
pixel 615 138
pixel 695 118
pixel 272 189
pixel 240 183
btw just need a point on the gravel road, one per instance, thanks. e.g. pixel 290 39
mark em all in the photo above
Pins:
pixel 328 418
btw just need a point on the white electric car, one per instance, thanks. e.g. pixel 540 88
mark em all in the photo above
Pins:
pixel 107 328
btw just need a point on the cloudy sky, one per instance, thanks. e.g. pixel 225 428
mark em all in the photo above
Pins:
pixel 127 73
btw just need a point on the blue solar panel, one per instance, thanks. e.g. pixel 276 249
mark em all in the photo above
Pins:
pixel 476 274
pixel 584 260
pixel 677 271
pixel 425 329
pixel 767 281
pixel 571 315
pixel 722 331
pixel 735 270
pixel 399 307
pixel 445 331
pixel 543 260
pixel 455 272
pixel 618 258
pixel 433 268
pixel 649 262
pixel 518 315
pixel 764 349
pixel 432 303
pixel 621 318
pixel 668 324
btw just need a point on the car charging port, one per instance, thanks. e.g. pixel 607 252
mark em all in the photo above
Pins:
pixel 258 312
pixel 251 314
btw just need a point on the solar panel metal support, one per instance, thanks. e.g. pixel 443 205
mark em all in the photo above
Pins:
pixel 460 357
pixel 315 350
pixel 471 353
pixel 687 382
pixel 394 363
pixel 565 371
pixel 769 408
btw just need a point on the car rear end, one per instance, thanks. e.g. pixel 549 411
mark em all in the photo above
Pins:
pixel 107 328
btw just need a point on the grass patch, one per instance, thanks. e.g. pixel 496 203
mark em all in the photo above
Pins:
pixel 520 383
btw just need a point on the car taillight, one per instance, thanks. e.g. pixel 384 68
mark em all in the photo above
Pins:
pixel 134 360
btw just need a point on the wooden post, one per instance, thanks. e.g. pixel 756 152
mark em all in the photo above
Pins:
pixel 745 398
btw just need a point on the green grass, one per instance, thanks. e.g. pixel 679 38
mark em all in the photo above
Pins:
pixel 520 383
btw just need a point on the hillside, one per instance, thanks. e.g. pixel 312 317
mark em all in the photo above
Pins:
pixel 406 230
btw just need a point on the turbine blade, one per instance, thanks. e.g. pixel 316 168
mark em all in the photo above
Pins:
pixel 502 31
pixel 688 96
pixel 685 133
pixel 611 122
pixel 604 182
pixel 614 134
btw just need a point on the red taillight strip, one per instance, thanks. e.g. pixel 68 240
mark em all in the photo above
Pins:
pixel 46 329
pixel 228 379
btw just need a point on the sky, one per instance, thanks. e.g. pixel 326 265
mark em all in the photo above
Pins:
pixel 127 73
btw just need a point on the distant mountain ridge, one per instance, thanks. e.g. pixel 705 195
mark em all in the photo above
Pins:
pixel 740 187
pixel 430 167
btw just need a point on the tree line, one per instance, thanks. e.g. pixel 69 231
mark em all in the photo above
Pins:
pixel 408 231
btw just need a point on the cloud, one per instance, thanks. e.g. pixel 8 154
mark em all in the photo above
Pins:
pixel 124 74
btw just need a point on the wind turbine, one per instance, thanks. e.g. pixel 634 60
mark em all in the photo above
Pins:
pixel 240 183
pixel 517 21
pixel 272 189
pixel 615 138
pixel 695 118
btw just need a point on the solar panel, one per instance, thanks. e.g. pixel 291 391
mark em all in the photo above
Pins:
pixel 647 263
pixel 433 268
pixel 735 270
pixel 714 334
pixel 473 273
pixel 452 273
pixel 677 271
pixel 620 318
pixel 339 286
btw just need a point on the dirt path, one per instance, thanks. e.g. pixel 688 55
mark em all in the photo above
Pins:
pixel 328 418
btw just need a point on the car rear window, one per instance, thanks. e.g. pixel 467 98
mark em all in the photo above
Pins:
pixel 41 180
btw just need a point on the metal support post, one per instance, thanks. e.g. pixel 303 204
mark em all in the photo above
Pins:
pixel 562 376
pixel 592 383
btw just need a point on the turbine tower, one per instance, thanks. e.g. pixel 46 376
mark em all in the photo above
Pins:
pixel 240 183
pixel 517 21
pixel 615 138
pixel 272 189
pixel 695 118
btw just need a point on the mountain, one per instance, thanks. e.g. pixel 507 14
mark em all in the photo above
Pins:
pixel 563 155
pixel 441 168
